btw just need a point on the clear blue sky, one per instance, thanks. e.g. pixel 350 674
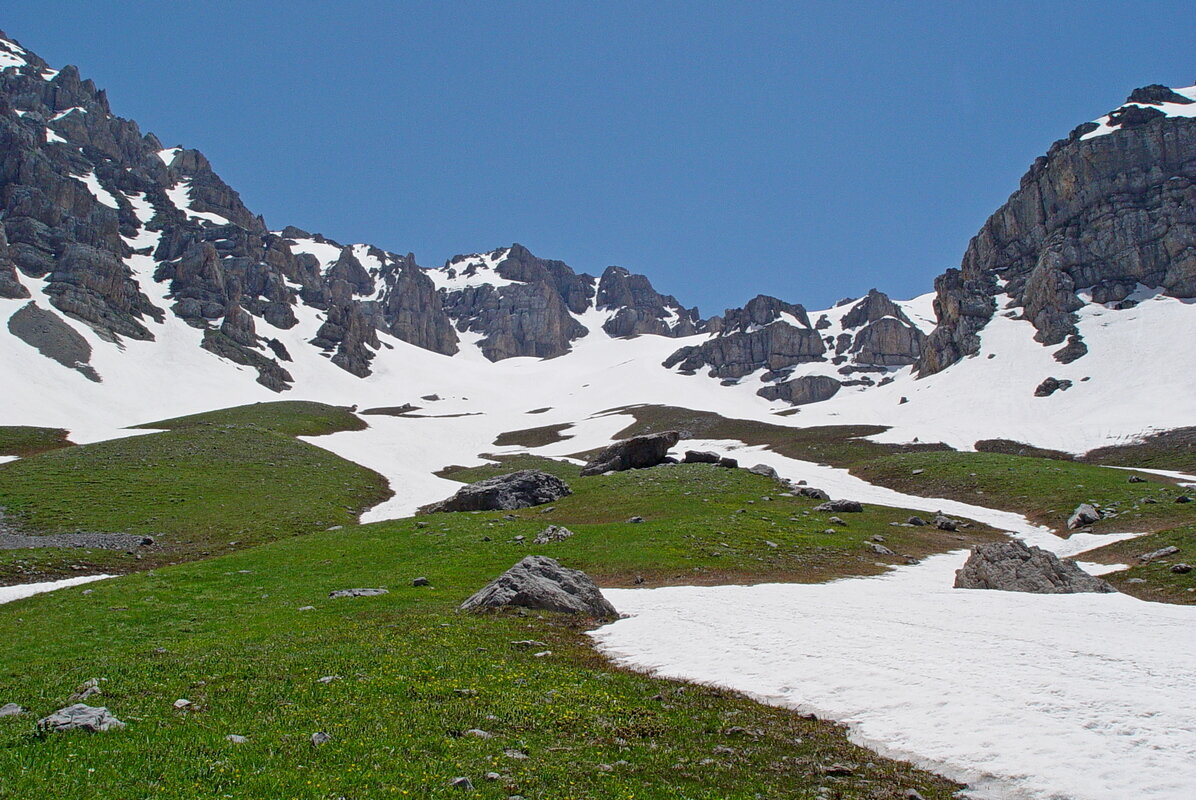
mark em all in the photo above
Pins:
pixel 806 150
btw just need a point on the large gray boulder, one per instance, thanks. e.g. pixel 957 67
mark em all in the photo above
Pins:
pixel 1015 567
pixel 1085 514
pixel 522 489
pixel 638 452
pixel 541 583
pixel 79 717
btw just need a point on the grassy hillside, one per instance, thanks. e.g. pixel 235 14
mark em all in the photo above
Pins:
pixel 414 675
pixel 1046 490
pixel 23 440
pixel 289 417
pixel 197 491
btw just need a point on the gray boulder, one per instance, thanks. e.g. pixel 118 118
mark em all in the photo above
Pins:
pixel 1014 566
pixel 1155 555
pixel 553 533
pixel 700 457
pixel 840 506
pixel 358 592
pixel 539 582
pixel 11 710
pixel 79 717
pixel 638 452
pixel 765 470
pixel 945 523
pixel 1085 514
pixel 522 489
pixel 811 492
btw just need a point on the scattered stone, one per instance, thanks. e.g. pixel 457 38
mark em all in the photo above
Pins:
pixel 945 523
pixel 636 520
pixel 522 489
pixel 478 733
pixel 1085 514
pixel 553 533
pixel 236 738
pixel 1013 566
pixel 1135 580
pixel 421 582
pixel 518 755
pixel 358 592
pixel 319 737
pixel 329 679
pixel 917 472
pixel 539 582
pixel 699 457
pixel 918 521
pixel 181 704
pixel 462 783
pixel 638 452
pixel 11 710
pixel 1155 555
pixel 1051 385
pixel 841 506
pixel 1178 569
pixel 307 608
pixel 838 521
pixel 87 689
pixel 811 492
pixel 1137 479
pixel 728 463
pixel 765 470
pixel 1183 498
pixel 492 776
pixel 879 549
pixel 79 717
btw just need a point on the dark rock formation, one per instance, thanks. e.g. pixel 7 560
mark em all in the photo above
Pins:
pixel 803 390
pixel 640 309
pixel 521 489
pixel 53 338
pixel 1015 567
pixel 700 457
pixel 637 452
pixel 1105 214
pixel 540 583
pixel 744 348
pixel 1051 385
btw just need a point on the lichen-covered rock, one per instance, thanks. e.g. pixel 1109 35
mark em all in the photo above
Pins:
pixel 638 452
pixel 1015 567
pixel 540 583
pixel 79 717
pixel 521 489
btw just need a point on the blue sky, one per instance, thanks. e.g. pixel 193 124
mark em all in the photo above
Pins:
pixel 805 150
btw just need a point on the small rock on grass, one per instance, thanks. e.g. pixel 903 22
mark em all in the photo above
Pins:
pixel 358 592
pixel 1178 569
pixel 181 704
pixel 421 582
pixel 462 783
pixel 236 738
pixel 11 710
pixel 319 737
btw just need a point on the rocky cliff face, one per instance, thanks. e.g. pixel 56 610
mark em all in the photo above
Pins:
pixel 1109 208
pixel 117 231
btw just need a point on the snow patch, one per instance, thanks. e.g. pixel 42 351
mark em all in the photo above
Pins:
pixel 21 591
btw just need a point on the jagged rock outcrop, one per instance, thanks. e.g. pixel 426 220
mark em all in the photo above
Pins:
pixel 886 336
pixel 540 583
pixel 1014 566
pixel 803 390
pixel 413 310
pixel 522 489
pixel 640 309
pixel 766 334
pixel 529 317
pixel 1104 210
pixel 638 452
